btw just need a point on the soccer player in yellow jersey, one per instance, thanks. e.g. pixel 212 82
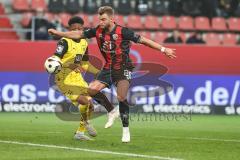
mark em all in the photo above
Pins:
pixel 73 54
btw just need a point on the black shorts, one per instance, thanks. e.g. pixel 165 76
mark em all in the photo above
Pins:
pixel 109 77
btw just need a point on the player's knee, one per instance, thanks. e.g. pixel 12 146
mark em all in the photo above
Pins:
pixel 121 98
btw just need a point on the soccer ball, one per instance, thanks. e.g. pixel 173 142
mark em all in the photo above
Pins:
pixel 53 65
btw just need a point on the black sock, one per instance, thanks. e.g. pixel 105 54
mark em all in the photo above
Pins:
pixel 102 99
pixel 124 113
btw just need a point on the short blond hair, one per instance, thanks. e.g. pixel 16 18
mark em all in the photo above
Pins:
pixel 106 9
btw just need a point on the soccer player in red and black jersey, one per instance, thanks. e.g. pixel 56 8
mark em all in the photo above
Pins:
pixel 114 43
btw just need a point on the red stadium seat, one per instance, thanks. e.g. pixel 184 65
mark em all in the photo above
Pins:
pixel 212 39
pixel 145 34
pixel 20 5
pixel 134 21
pixel 160 36
pixel 95 20
pixel 39 4
pixel 229 39
pixel 169 22
pixel 119 20
pixel 183 36
pixel 202 23
pixel 26 18
pixel 2 10
pixel 64 17
pixel 234 24
pixel 5 23
pixel 185 23
pixel 85 18
pixel 8 36
pixel 151 22
pixel 219 24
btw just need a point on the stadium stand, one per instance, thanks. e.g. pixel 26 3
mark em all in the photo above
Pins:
pixel 152 18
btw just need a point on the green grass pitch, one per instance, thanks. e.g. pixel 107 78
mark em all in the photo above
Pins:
pixel 199 137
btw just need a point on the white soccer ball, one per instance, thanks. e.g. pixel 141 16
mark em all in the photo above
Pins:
pixel 53 65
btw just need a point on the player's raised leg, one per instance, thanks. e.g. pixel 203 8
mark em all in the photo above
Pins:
pixel 122 90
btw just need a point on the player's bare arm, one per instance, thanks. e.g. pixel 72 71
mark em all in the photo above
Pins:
pixel 70 34
pixel 167 51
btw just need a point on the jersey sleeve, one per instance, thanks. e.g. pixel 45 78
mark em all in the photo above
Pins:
pixel 62 47
pixel 89 33
pixel 86 56
pixel 130 35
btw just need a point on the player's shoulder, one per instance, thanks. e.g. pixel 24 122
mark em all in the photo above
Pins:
pixel 64 40
pixel 84 42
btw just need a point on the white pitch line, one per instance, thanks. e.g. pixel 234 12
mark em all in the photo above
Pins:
pixel 89 150
pixel 203 139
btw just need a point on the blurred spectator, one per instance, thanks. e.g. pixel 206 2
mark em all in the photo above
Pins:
pixel 209 8
pixel 175 7
pixel 142 7
pixel 227 8
pixel 72 6
pixel 196 38
pixel 237 8
pixel 56 6
pixel 160 7
pixel 175 38
pixel 124 7
pixel 41 26
pixel 192 7
pixel 90 6
pixel 107 3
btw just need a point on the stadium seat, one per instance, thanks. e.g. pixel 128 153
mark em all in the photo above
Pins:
pixel 212 39
pixel 56 6
pixel 119 20
pixel 229 39
pixel 160 36
pixel 234 24
pixel 64 17
pixel 202 23
pixel 38 4
pixel 183 36
pixel 146 34
pixel 219 24
pixel 85 18
pixel 134 21
pixel 20 5
pixel 95 20
pixel 5 23
pixel 151 22
pixel 2 10
pixel 26 18
pixel 72 6
pixel 185 23
pixel 168 22
pixel 8 36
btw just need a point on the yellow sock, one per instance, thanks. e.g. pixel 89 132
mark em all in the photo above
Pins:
pixel 81 127
pixel 83 114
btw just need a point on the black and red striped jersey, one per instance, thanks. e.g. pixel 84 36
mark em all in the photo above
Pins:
pixel 114 45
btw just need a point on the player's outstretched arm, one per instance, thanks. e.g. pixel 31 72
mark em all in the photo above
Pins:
pixel 167 51
pixel 69 34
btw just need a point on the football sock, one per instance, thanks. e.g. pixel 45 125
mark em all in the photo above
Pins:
pixel 124 113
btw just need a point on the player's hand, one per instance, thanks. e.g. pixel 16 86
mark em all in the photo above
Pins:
pixel 170 53
pixel 52 32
